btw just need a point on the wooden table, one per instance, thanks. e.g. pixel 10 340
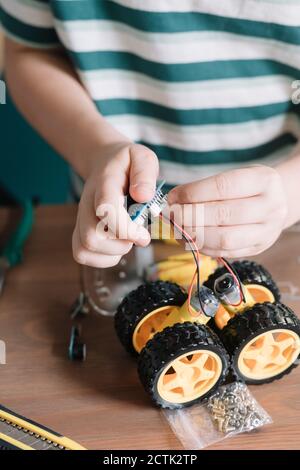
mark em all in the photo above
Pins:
pixel 100 403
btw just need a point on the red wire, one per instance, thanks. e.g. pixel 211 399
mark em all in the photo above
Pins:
pixel 189 237
pixel 220 260
pixel 190 290
pixel 191 310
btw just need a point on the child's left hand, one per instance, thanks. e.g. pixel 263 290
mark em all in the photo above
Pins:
pixel 244 211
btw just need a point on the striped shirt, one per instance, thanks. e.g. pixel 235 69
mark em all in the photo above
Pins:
pixel 206 84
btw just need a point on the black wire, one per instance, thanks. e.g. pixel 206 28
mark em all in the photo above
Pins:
pixel 195 259
pixel 198 268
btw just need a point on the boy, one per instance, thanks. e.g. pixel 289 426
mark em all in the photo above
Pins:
pixel 203 85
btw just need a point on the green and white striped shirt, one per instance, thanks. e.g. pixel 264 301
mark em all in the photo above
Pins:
pixel 205 83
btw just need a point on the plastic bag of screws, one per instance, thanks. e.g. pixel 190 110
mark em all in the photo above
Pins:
pixel 229 411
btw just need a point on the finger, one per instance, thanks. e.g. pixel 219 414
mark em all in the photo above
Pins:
pixel 252 210
pixel 237 237
pixel 113 182
pixel 143 173
pixel 109 201
pixel 242 252
pixel 86 257
pixel 185 215
pixel 234 184
pixel 245 252
pixel 115 223
pixel 90 237
pixel 91 241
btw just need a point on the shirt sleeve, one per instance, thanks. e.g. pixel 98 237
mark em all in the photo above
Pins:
pixel 29 22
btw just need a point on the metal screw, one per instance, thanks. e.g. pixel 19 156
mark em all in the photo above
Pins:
pixel 234 410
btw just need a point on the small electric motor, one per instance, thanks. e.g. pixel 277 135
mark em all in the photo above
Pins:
pixel 226 289
pixel 205 301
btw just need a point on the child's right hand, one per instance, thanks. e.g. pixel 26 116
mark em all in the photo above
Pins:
pixel 104 231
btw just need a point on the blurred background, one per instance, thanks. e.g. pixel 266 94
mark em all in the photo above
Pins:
pixel 29 168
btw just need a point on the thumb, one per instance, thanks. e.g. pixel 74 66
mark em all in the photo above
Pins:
pixel 143 173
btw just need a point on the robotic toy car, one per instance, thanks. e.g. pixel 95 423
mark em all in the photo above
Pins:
pixel 186 347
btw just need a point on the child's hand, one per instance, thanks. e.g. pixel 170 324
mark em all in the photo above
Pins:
pixel 104 231
pixel 244 211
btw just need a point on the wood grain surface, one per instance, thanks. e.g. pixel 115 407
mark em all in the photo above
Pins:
pixel 100 403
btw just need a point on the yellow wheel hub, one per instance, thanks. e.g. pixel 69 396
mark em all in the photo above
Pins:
pixel 189 376
pixel 149 325
pixel 269 354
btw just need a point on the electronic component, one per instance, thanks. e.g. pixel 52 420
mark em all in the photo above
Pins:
pixel 19 433
pixel 227 290
pixel 205 301
pixel 140 213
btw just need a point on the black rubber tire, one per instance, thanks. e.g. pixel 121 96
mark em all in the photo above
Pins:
pixel 252 322
pixel 172 342
pixel 249 272
pixel 138 303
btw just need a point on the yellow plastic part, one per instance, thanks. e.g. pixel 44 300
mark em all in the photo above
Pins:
pixel 14 442
pixel 180 268
pixel 159 319
pixel 269 354
pixel 254 293
pixel 182 314
pixel 149 325
pixel 60 440
pixel 189 376
pixel 160 230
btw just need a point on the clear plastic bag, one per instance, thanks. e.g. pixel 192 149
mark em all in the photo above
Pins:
pixel 229 411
